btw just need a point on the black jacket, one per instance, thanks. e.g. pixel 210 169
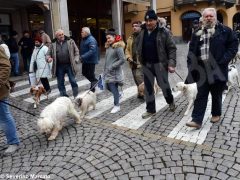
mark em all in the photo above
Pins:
pixel 223 48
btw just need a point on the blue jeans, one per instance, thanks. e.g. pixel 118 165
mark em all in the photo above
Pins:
pixel 15 59
pixel 7 123
pixel 61 71
pixel 113 88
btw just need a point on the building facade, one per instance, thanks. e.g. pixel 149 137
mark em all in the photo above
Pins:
pixel 181 13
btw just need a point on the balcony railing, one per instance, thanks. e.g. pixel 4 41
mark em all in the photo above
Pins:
pixel 227 3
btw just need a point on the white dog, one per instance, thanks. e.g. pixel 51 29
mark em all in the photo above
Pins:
pixel 190 91
pixel 53 116
pixel 233 76
pixel 85 100
pixel 237 57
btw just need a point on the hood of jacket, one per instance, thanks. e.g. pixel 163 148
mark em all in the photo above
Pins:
pixel 116 44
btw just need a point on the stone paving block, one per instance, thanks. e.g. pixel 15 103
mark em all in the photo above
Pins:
pixel 191 176
pixel 204 177
pixel 176 170
pixel 222 176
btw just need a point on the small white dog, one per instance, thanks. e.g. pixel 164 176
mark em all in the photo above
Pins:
pixel 188 90
pixel 85 100
pixel 53 116
pixel 233 76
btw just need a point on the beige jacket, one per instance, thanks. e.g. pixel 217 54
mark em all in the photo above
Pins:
pixel 129 52
pixel 5 70
pixel 73 53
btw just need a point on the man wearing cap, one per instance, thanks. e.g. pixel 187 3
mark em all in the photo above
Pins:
pixel 130 52
pixel 156 51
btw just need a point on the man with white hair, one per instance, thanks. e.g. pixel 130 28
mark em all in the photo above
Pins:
pixel 211 49
pixel 89 56
pixel 64 54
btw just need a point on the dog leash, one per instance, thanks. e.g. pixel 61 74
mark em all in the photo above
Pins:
pixel 17 108
pixel 178 75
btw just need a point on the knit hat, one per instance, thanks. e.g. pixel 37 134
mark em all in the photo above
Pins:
pixel 150 14
pixel 39 39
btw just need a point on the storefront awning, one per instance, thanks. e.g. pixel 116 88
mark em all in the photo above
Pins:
pixel 15 4
pixel 191 15
pixel 143 2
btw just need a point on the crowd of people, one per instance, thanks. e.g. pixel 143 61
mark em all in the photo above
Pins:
pixel 150 52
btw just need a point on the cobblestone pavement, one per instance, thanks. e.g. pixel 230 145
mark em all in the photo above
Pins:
pixel 101 148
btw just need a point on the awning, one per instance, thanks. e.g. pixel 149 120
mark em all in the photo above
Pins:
pixel 191 15
pixel 143 2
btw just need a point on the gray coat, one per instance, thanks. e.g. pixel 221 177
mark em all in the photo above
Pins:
pixel 114 60
pixel 73 53
pixel 165 46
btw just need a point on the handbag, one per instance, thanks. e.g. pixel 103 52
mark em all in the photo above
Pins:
pixel 35 63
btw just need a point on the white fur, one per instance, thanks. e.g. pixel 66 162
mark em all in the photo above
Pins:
pixel 190 91
pixel 88 99
pixel 53 116
pixel 237 57
pixel 233 76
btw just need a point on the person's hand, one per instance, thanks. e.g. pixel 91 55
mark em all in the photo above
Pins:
pixel 49 59
pixel 171 69
pixel 129 60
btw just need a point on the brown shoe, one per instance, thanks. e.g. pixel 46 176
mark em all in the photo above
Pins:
pixel 193 124
pixel 215 119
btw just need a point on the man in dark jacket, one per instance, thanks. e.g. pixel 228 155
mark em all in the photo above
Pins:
pixel 157 53
pixel 211 49
pixel 27 46
pixel 89 56
pixel 13 48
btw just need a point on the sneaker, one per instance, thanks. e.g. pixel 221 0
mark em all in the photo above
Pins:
pixel 115 109
pixel 147 115
pixel 11 149
pixel 215 119
pixel 172 106
pixel 193 124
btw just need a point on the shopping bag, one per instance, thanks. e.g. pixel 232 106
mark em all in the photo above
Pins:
pixel 101 82
pixel 32 79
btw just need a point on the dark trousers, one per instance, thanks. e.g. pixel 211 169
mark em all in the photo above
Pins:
pixel 88 70
pixel 200 103
pixel 45 83
pixel 151 71
pixel 61 71
pixel 26 61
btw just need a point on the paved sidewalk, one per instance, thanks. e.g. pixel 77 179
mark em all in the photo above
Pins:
pixel 100 148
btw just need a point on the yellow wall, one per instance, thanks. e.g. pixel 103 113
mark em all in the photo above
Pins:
pixel 176 13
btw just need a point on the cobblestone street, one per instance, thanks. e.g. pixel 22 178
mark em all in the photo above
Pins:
pixel 123 145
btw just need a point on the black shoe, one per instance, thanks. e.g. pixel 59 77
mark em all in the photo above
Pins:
pixel 193 125
pixel 172 107
pixel 147 115
pixel 64 95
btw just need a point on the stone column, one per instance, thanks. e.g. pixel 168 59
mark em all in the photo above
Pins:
pixel 60 15
pixel 117 16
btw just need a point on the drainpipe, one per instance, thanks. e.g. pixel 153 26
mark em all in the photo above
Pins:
pixel 153 5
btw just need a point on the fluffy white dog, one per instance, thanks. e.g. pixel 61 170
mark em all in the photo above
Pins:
pixel 188 90
pixel 53 116
pixel 233 76
pixel 85 100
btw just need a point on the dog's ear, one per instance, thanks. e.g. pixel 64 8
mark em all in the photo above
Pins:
pixel 184 88
pixel 31 90
pixel 79 102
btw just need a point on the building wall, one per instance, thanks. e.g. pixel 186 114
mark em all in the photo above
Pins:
pixel 167 7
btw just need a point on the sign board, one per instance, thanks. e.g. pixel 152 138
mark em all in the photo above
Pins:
pixel 143 2
pixel 4 19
